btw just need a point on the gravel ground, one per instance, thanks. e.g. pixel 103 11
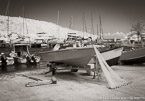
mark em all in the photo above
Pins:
pixel 70 86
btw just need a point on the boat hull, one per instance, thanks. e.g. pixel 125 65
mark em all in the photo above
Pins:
pixel 133 57
pixel 111 56
pixel 10 61
pixel 20 60
pixel 78 56
pixel 74 56
pixel 113 61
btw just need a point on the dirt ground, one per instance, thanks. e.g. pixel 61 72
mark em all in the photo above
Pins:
pixel 70 86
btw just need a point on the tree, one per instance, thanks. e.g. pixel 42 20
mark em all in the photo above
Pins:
pixel 139 28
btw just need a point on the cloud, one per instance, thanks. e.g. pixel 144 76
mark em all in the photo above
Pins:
pixel 117 35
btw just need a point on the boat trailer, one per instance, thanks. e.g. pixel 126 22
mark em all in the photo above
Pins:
pixel 54 66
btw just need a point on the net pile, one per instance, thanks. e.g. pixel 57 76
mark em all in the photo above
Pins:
pixel 114 80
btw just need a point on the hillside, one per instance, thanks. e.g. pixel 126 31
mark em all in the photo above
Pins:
pixel 31 27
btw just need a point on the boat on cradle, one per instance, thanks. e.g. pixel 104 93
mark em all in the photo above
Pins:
pixel 79 56
pixel 111 55
pixel 136 56
pixel 22 51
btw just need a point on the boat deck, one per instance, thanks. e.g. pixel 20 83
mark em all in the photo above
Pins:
pixel 73 86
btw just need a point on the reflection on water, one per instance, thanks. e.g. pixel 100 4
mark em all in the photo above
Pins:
pixel 21 67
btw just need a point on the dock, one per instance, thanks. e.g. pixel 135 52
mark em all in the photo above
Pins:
pixel 78 86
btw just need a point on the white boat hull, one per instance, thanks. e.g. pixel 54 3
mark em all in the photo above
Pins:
pixel 78 56
pixel 111 56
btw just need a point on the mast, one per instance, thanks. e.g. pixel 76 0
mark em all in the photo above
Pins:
pixel 97 30
pixel 6 13
pixel 27 27
pixel 92 30
pixel 7 9
pixel 71 22
pixel 84 24
pixel 100 27
pixel 58 23
pixel 23 21
pixel 58 17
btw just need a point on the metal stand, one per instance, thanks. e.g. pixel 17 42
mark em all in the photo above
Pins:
pixel 53 70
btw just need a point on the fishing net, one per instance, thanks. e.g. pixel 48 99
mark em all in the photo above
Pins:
pixel 56 47
pixel 114 80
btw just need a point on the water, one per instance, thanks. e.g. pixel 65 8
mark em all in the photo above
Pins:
pixel 22 67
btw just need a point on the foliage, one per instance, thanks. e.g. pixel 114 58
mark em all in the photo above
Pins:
pixel 139 28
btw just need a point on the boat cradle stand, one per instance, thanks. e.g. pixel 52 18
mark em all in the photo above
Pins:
pixel 53 66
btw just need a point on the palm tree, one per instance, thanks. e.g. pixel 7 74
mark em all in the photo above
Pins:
pixel 139 27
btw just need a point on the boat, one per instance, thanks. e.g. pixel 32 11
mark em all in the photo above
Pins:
pixel 22 51
pixel 74 56
pixel 79 56
pixel 5 47
pixel 10 61
pixel 111 56
pixel 39 43
pixel 136 56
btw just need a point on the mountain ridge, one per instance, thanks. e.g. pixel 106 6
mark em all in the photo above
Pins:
pixel 30 27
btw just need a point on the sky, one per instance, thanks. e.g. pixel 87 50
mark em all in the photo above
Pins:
pixel 116 15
